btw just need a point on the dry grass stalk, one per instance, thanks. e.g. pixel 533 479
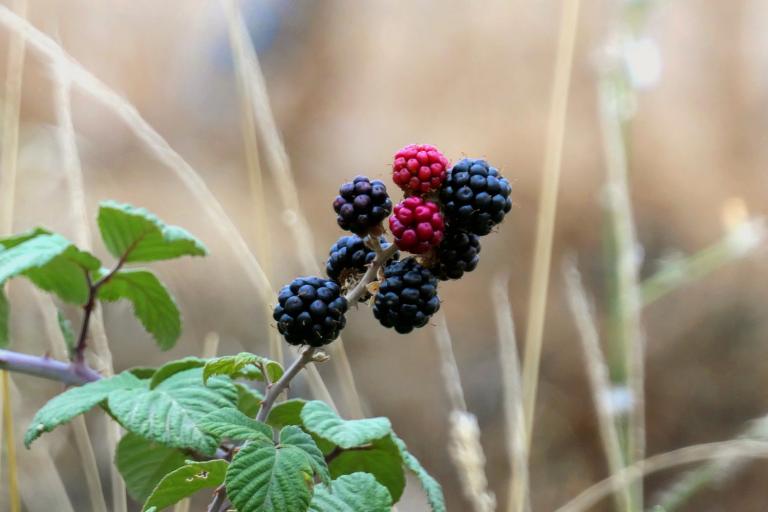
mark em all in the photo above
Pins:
pixel 746 449
pixel 513 398
pixel 467 454
pixel 547 210
pixel 597 371
pixel 448 367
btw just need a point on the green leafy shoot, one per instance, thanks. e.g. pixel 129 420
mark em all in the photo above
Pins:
pixel 318 418
pixel 174 367
pixel 143 464
pixel 244 365
pixel 381 458
pixel 351 493
pixel 286 413
pixel 233 424
pixel 133 234
pixel 431 486
pixel 186 481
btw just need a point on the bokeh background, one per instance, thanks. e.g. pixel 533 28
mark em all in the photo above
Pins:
pixel 350 83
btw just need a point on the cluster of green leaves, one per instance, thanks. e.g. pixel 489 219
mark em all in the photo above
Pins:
pixel 190 428
pixel 131 235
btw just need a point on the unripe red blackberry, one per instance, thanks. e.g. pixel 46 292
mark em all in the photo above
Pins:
pixel 407 296
pixel 310 311
pixel 475 196
pixel 361 205
pixel 350 256
pixel 417 225
pixel 419 168
pixel 459 253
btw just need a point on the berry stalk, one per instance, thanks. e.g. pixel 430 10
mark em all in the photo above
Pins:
pixel 45 367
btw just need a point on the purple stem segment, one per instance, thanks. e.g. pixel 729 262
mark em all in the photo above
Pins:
pixel 43 366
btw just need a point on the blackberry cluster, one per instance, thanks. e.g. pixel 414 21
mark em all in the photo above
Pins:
pixel 350 255
pixel 361 205
pixel 407 296
pixel 475 196
pixel 459 253
pixel 310 311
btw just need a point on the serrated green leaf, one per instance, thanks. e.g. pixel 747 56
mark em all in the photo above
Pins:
pixel 294 436
pixel 232 424
pixel 14 240
pixel 52 263
pixel 431 487
pixel 152 304
pixel 358 492
pixel 185 482
pixel 5 314
pixel 244 365
pixel 134 235
pixel 174 367
pixel 286 413
pixel 318 418
pixel 65 326
pixel 76 401
pixel 169 413
pixel 248 399
pixel 143 464
pixel 269 479
pixel 142 372
pixel 381 459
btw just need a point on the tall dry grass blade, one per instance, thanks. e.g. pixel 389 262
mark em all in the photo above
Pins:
pixel 89 465
pixel 211 345
pixel 597 371
pixel 9 148
pixel 448 367
pixel 468 457
pixel 745 449
pixel 569 17
pixel 519 499
pixel 73 172
pixel 239 43
pixel 278 164
pixel 628 302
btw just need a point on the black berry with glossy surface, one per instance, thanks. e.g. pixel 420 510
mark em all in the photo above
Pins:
pixel 407 296
pixel 310 311
pixel 350 256
pixel 361 205
pixel 459 253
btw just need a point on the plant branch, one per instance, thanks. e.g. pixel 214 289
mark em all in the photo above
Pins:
pixel 382 257
pixel 87 312
pixel 47 368
pixel 219 497
pixel 274 391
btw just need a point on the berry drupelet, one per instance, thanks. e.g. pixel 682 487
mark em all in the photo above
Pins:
pixel 361 205
pixel 475 196
pixel 419 168
pixel 407 296
pixel 310 311
pixel 459 253
pixel 349 256
pixel 417 225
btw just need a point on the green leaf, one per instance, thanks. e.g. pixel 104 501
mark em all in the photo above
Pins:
pixel 76 401
pixel 185 482
pixel 142 372
pixel 5 313
pixel 286 413
pixel 244 365
pixel 175 367
pixel 52 263
pixel 232 424
pixel 358 492
pixel 169 413
pixel 270 479
pixel 431 486
pixel 65 326
pixel 294 436
pixel 249 399
pixel 319 418
pixel 14 240
pixel 381 459
pixel 143 464
pixel 133 234
pixel 152 304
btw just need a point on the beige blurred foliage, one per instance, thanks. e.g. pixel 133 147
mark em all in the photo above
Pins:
pixel 350 83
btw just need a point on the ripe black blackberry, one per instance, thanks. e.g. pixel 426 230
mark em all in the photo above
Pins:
pixel 310 311
pixel 475 196
pixel 407 296
pixel 349 256
pixel 459 253
pixel 361 205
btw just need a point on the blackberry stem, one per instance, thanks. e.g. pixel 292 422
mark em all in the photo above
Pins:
pixel 382 257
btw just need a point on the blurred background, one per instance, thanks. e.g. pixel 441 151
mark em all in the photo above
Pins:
pixel 352 82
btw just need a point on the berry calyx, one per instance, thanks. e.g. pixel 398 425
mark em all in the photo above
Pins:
pixel 361 205
pixel 310 311
pixel 475 196
pixel 459 253
pixel 419 168
pixel 417 225
pixel 349 257
pixel 407 296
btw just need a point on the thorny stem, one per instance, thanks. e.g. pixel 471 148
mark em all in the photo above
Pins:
pixel 47 368
pixel 382 257
pixel 274 391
